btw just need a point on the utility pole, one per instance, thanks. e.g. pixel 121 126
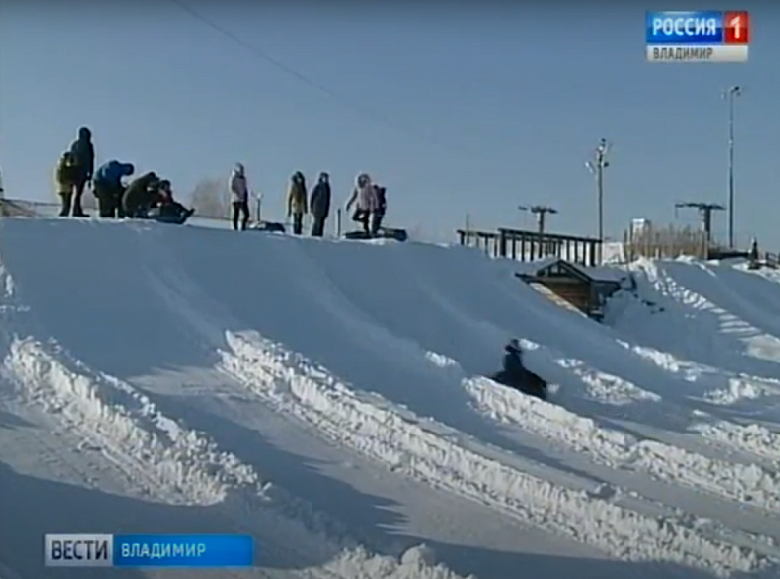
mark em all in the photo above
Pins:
pixel 730 95
pixel 541 213
pixel 596 166
pixel 705 210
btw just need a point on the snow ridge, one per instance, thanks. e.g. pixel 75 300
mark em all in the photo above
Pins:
pixel 187 464
pixel 738 482
pixel 312 394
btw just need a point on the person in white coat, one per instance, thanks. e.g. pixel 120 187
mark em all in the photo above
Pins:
pixel 239 190
pixel 364 199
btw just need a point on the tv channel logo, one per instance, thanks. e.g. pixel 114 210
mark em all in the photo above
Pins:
pixel 138 551
pixel 701 36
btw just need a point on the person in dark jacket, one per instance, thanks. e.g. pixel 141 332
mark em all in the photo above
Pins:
pixel 320 205
pixel 108 188
pixel 167 208
pixel 514 370
pixel 84 155
pixel 516 375
pixel 239 189
pixel 140 195
pixel 378 215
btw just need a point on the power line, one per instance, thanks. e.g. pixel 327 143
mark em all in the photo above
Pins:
pixel 345 100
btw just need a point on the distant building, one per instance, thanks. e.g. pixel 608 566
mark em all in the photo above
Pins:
pixel 639 225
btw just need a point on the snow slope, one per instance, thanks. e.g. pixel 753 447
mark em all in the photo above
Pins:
pixel 326 397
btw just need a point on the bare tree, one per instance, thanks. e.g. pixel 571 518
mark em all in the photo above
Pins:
pixel 209 199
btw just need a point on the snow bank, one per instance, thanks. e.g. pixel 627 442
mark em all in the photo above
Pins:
pixel 379 349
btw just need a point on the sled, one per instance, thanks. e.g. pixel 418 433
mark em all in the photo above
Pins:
pixel 533 385
pixel 357 235
pixel 174 218
pixel 393 233
pixel 384 233
pixel 270 226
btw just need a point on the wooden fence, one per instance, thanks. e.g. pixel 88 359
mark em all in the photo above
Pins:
pixel 670 241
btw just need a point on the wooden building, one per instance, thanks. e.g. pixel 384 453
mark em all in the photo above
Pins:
pixel 586 290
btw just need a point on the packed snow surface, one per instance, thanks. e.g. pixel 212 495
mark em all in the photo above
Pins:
pixel 328 398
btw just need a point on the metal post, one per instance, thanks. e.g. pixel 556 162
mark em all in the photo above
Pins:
pixel 596 167
pixel 600 186
pixel 732 92
pixel 541 213
pixel 542 245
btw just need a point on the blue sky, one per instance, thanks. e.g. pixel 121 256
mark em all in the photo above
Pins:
pixel 485 105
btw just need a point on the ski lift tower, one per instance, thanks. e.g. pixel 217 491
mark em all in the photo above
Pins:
pixel 596 166
pixel 541 213
pixel 705 210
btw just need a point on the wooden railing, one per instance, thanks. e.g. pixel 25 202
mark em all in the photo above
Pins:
pixel 524 245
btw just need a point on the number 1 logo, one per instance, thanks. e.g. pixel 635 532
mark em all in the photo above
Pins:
pixel 736 28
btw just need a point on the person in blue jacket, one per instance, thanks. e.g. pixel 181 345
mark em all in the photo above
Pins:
pixel 108 188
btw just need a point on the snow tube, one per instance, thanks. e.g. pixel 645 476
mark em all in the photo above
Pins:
pixel 272 226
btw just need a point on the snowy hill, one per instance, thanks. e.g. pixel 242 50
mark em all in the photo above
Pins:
pixel 326 397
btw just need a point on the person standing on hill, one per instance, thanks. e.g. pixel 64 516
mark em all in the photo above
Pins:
pixel 108 188
pixel 364 199
pixel 83 152
pixel 240 193
pixel 297 201
pixel 64 180
pixel 320 205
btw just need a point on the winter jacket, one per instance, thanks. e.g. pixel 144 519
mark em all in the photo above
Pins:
pixel 64 175
pixel 238 187
pixel 364 198
pixel 140 194
pixel 84 153
pixel 111 173
pixel 297 203
pixel 513 364
pixel 320 199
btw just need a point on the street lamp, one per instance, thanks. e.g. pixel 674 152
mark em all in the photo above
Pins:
pixel 596 167
pixel 730 95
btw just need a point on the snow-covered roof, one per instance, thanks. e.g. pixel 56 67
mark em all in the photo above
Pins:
pixel 603 273
pixel 600 274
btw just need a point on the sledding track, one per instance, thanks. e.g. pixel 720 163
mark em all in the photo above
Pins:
pixel 199 344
